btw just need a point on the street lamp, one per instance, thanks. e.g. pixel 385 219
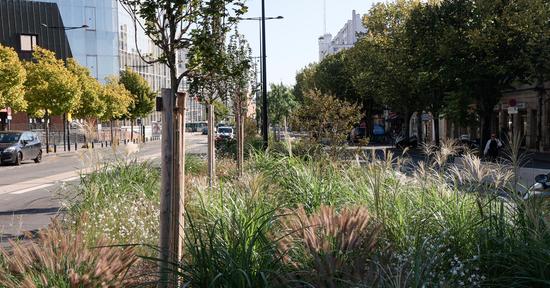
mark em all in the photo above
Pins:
pixel 66 118
pixel 64 27
pixel 265 125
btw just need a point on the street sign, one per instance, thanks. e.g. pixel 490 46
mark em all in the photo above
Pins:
pixel 513 110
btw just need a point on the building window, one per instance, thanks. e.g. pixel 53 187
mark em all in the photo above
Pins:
pixel 90 18
pixel 28 42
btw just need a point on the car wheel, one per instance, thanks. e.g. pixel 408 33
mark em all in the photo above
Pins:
pixel 19 158
pixel 38 157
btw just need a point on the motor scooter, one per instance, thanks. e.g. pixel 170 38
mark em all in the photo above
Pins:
pixel 541 188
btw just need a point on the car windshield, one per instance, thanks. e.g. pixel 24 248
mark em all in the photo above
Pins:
pixel 225 130
pixel 10 137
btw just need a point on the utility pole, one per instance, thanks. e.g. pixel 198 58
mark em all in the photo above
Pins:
pixel 265 124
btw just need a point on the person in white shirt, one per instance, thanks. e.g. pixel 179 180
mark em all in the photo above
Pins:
pixel 492 147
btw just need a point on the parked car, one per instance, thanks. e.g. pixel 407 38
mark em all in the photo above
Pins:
pixel 225 132
pixel 205 131
pixel 18 146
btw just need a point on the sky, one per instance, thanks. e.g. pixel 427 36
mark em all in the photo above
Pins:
pixel 292 41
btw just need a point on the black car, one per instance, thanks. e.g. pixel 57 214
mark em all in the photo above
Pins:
pixel 18 146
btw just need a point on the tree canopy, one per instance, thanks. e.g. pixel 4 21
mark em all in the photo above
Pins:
pixel 90 104
pixel 116 98
pixel 143 97
pixel 12 80
pixel 50 85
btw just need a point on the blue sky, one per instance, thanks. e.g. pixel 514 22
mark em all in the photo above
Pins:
pixel 292 41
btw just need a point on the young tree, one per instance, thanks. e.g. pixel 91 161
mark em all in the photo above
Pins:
pixel 239 76
pixel 117 100
pixel 144 97
pixel 12 79
pixel 169 23
pixel 51 88
pixel 282 102
pixel 91 104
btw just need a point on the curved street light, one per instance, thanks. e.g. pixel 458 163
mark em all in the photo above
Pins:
pixel 265 125
pixel 64 27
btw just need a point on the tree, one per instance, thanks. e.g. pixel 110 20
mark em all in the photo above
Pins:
pixel 51 88
pixel 117 100
pixel 12 79
pixel 169 25
pixel 90 104
pixel 143 97
pixel 327 118
pixel 221 111
pixel 305 81
pixel 239 76
pixel 282 102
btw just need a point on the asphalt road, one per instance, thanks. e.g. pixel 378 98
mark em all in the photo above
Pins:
pixel 31 194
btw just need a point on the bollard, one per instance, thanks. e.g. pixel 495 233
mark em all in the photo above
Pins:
pixel 75 146
pixel 92 145
pixel 54 148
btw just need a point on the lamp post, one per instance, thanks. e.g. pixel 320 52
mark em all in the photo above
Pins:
pixel 66 128
pixel 265 107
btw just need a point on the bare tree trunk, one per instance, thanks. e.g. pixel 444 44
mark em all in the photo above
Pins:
pixel 211 146
pixel 289 144
pixel 240 143
pixel 112 133
pixel 132 130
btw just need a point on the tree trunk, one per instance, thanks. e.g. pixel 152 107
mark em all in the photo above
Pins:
pixel 436 127
pixel 211 146
pixel 419 133
pixel 112 133
pixel 289 144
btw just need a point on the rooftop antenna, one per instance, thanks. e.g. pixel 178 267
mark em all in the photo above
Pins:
pixel 324 17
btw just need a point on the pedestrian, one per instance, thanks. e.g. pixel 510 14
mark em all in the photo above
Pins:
pixel 492 147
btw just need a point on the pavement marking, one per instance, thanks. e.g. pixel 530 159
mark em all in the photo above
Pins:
pixel 31 189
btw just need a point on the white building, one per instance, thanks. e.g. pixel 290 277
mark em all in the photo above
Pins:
pixel 346 37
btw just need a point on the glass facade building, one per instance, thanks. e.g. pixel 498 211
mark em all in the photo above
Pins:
pixel 109 44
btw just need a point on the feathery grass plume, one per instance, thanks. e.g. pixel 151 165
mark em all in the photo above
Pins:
pixel 329 248
pixel 61 258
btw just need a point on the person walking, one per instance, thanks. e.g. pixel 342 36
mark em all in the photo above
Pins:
pixel 492 147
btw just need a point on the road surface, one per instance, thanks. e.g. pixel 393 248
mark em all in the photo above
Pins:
pixel 29 194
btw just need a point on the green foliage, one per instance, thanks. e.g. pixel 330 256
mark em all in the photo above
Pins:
pixel 91 104
pixel 227 240
pixel 327 118
pixel 12 78
pixel 281 102
pixel 221 111
pixel 143 96
pixel 116 98
pixel 50 85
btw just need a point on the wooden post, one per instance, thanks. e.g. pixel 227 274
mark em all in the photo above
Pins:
pixel 179 197
pixel 211 145
pixel 167 188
